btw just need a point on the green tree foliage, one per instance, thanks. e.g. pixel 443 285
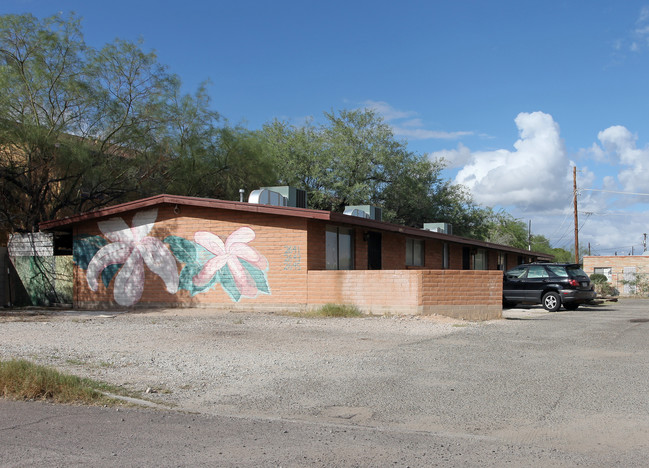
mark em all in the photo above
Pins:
pixel 208 160
pixel 73 121
pixel 82 128
pixel 354 159
pixel 506 230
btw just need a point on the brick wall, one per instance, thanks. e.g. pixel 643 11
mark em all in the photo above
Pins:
pixel 617 263
pixel 470 295
pixel 283 241
pixel 295 251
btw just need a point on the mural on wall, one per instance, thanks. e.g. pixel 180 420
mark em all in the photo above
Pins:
pixel 35 276
pixel 123 252
pixel 236 266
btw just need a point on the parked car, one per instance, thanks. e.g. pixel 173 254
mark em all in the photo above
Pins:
pixel 549 284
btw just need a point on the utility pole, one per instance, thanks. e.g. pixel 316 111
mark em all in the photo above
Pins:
pixel 529 235
pixel 574 184
pixel 644 242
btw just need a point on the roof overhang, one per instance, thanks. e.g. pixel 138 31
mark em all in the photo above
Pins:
pixel 65 224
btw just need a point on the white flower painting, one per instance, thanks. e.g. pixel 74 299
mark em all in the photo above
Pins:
pixel 132 248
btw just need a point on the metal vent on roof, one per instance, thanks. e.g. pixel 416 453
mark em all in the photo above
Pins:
pixel 444 228
pixel 364 211
pixel 267 197
pixel 295 197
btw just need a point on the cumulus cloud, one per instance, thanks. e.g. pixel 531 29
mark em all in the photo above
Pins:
pixel 454 158
pixel 620 145
pixel 535 175
pixel 407 124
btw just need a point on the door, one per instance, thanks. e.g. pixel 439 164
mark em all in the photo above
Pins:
pixel 537 279
pixel 629 280
pixel 513 284
pixel 373 250
pixel 466 258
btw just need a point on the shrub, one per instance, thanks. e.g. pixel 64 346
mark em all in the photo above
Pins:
pixel 598 278
pixel 338 310
pixel 602 286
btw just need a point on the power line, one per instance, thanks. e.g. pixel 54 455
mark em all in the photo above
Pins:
pixel 613 191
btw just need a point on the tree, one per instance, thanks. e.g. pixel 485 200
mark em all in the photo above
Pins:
pixel 82 128
pixel 73 121
pixel 506 230
pixel 354 159
pixel 207 160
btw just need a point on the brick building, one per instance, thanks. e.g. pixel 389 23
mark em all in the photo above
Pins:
pixel 617 269
pixel 173 251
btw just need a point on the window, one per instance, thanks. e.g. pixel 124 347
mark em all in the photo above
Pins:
pixel 502 261
pixel 518 272
pixel 537 271
pixel 606 271
pixel 414 252
pixel 445 257
pixel 339 248
pixel 480 260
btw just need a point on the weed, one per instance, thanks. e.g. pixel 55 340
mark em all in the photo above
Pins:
pixel 21 379
pixel 75 362
pixel 337 310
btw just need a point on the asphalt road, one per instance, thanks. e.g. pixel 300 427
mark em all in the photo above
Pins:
pixel 535 389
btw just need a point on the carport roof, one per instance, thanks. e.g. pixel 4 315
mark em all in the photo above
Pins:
pixel 320 215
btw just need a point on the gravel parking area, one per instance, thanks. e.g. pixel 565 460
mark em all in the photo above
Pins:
pixel 536 388
pixel 218 362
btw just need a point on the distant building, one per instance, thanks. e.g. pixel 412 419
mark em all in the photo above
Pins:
pixel 618 269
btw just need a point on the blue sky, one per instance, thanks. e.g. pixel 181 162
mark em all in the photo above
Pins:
pixel 511 94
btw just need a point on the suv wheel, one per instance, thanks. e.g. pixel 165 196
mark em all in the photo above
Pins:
pixel 551 301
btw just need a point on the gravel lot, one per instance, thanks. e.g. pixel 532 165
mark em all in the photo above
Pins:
pixel 219 362
pixel 537 389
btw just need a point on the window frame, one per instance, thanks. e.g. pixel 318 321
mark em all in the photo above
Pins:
pixel 446 256
pixel 340 245
pixel 411 260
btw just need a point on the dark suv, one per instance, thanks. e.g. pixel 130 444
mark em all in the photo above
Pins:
pixel 550 284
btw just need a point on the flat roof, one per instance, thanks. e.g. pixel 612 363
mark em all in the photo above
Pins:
pixel 320 215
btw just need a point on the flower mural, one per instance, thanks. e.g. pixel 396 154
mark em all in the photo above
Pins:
pixel 231 253
pixel 132 248
pixel 123 252
pixel 236 266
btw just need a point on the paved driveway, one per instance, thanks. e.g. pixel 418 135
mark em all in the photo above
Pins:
pixel 534 389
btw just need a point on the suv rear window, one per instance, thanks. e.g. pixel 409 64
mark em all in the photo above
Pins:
pixel 567 271
pixel 558 270
pixel 575 272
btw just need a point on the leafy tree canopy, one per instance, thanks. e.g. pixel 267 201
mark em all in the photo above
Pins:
pixel 82 128
pixel 353 158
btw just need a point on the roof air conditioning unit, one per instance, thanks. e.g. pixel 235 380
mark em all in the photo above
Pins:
pixel 364 211
pixel 444 228
pixel 295 197
pixel 267 197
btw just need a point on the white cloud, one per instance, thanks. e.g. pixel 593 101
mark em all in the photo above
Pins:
pixel 641 32
pixel 387 111
pixel 536 175
pixel 413 127
pixel 454 158
pixel 423 134
pixel 621 145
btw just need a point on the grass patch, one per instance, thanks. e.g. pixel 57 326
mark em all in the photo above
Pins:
pixel 336 310
pixel 23 380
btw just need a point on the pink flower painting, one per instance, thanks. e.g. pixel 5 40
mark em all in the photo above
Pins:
pixel 234 254
pixel 133 249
